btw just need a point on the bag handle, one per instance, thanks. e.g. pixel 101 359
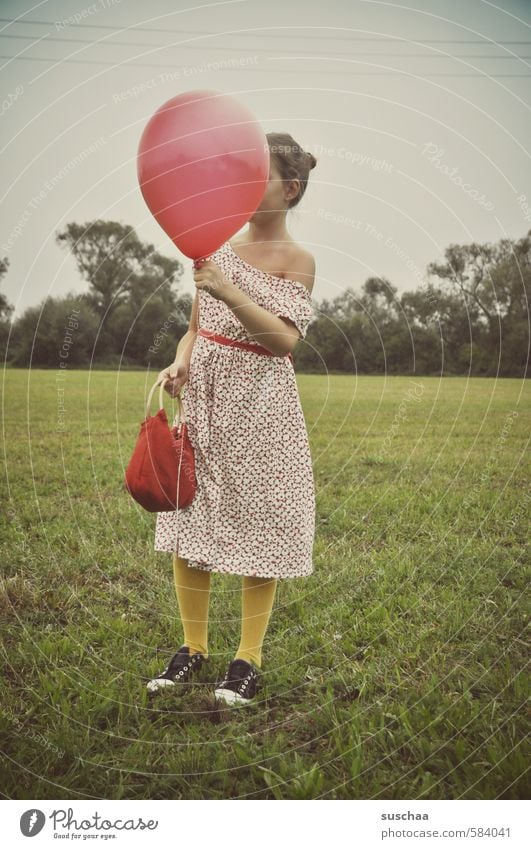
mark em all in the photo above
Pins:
pixel 161 402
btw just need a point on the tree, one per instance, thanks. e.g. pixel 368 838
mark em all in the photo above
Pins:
pixel 494 284
pixel 116 264
pixel 5 307
pixel 130 286
pixel 6 310
pixel 147 330
pixel 379 299
pixel 470 268
pixel 58 333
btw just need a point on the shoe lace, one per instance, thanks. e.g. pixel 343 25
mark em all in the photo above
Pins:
pixel 244 682
pixel 193 661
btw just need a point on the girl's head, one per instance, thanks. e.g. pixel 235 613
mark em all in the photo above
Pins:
pixel 290 167
pixel 292 164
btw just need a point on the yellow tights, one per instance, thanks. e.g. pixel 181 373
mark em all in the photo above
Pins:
pixel 193 595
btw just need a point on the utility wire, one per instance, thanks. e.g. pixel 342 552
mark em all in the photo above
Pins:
pixel 273 34
pixel 256 70
pixel 268 49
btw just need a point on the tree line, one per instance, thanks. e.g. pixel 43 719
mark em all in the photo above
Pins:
pixel 471 316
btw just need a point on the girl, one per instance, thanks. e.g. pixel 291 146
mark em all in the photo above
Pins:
pixel 253 513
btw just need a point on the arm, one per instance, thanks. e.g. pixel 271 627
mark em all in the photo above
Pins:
pixel 276 334
pixel 186 342
pixel 177 372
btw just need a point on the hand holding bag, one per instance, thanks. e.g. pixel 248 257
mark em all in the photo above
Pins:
pixel 161 471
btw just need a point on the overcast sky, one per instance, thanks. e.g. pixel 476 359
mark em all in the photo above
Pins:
pixel 418 114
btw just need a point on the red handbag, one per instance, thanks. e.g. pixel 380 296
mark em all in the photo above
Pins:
pixel 161 471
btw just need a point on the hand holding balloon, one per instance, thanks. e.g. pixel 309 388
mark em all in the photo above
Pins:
pixel 209 277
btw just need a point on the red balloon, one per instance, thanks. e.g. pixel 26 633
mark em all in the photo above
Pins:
pixel 203 167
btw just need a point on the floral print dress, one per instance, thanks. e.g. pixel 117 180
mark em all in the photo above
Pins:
pixel 253 512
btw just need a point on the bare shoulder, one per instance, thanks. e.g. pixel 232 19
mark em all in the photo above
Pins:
pixel 301 266
pixel 297 263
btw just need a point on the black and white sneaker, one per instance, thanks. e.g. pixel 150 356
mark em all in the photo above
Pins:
pixel 240 684
pixel 180 669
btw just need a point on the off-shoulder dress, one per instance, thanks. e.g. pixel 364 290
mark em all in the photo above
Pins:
pixel 253 512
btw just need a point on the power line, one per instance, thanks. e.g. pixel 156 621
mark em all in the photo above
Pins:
pixel 273 34
pixel 256 70
pixel 265 49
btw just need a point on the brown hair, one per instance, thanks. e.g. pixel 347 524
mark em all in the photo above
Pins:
pixel 293 163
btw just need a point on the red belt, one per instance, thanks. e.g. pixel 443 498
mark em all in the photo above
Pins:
pixel 248 346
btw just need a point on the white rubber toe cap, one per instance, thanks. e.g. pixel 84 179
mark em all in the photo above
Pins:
pixel 157 684
pixel 231 698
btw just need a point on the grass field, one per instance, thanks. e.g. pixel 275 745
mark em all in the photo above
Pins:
pixel 396 671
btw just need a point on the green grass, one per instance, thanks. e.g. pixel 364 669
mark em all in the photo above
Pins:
pixel 396 671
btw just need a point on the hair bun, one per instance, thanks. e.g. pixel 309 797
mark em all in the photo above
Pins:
pixel 312 161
